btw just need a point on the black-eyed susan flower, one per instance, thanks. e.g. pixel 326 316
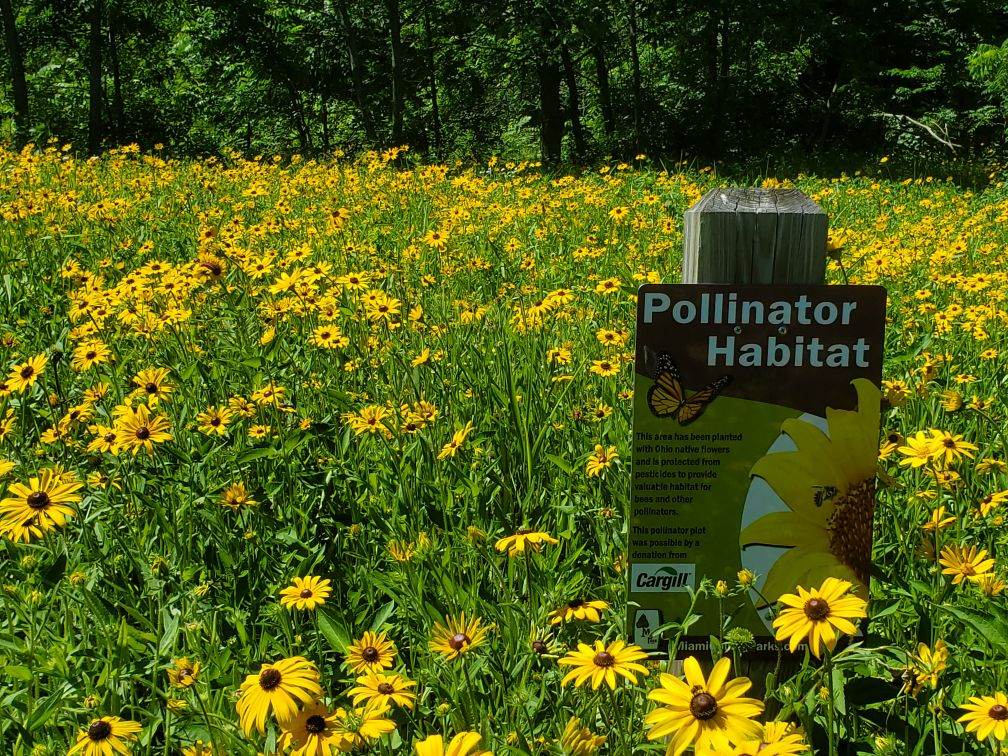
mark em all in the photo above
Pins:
pixel 589 610
pixel 306 593
pixel 938 520
pixel 600 460
pixel 965 563
pixel 45 502
pixel 153 385
pixel 599 663
pixel 24 375
pixel 374 652
pixel 183 673
pixel 951 447
pixel 361 725
pixel 137 428
pixel 919 450
pixel 463 744
pixel 578 740
pixel 214 421
pixel 236 496
pixel 525 538
pixel 776 739
pixel 458 636
pixel 384 690
pixel 819 615
pixel 279 687
pixel 105 736
pixel 198 748
pixel 987 717
pixel 709 713
pixel 89 354
pixel 457 439
pixel 315 731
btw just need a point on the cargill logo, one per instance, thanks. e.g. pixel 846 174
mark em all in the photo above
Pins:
pixel 662 578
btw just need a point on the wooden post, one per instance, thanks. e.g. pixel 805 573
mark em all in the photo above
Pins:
pixel 763 236
pixel 754 236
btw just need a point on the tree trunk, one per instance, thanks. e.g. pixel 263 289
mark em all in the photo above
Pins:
pixel 326 145
pixel 19 86
pixel 635 61
pixel 350 39
pixel 551 120
pixel 300 122
pixel 117 97
pixel 95 85
pixel 435 115
pixel 604 94
pixel 395 39
pixel 573 103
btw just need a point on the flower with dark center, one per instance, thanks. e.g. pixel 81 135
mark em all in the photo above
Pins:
pixel 38 500
pixel 306 593
pixel 540 647
pixel 816 609
pixel 270 678
pixel 704 712
pixel 386 688
pixel 151 388
pixel 143 433
pixel 998 712
pixel 458 635
pixel 99 730
pixel 820 615
pixel 315 724
pixel 370 654
pixel 604 659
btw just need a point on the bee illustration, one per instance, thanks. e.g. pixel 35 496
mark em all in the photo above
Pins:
pixel 824 494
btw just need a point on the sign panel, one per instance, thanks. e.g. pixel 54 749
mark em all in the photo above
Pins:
pixel 755 440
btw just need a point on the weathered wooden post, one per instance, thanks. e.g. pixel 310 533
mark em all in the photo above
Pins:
pixel 754 236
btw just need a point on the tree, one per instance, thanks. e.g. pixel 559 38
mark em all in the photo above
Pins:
pixel 19 86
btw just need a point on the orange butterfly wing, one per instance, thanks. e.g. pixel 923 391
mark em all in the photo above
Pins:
pixel 695 405
pixel 666 396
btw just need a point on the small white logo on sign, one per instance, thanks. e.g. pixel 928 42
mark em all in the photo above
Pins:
pixel 662 578
pixel 645 626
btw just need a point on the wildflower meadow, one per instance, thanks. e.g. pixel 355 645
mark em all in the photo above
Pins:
pixel 321 456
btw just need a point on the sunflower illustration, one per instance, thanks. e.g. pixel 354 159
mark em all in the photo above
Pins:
pixel 828 486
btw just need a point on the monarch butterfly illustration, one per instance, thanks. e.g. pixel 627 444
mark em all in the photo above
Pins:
pixel 667 397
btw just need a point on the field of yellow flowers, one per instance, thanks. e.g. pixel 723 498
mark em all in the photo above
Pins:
pixel 319 457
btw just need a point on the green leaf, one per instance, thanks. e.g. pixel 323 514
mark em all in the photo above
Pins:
pixel 334 630
pixel 984 624
pixel 49 706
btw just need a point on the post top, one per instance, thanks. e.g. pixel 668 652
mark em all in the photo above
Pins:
pixel 754 200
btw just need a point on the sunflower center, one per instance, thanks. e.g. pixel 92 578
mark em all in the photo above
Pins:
pixel 850 528
pixel 370 654
pixel 315 724
pixel 386 688
pixel 540 647
pixel 576 603
pixel 458 641
pixel 38 500
pixel 306 593
pixel 604 659
pixel 27 372
pixel 269 679
pixel 703 706
pixel 151 388
pixel 817 609
pixel 143 433
pixel 99 731
pixel 90 355
pixel 998 712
